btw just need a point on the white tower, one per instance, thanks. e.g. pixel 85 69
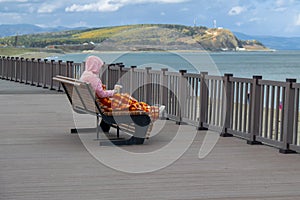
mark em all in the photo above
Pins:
pixel 215 23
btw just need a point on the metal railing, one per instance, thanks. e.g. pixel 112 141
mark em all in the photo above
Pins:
pixel 260 111
pixel 37 72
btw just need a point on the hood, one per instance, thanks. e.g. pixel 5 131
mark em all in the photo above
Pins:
pixel 93 64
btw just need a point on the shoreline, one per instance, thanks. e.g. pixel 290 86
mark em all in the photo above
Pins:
pixel 45 54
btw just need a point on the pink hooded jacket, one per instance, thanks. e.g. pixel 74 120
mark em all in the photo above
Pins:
pixel 91 75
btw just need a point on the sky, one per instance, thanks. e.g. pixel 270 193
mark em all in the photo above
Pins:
pixel 252 17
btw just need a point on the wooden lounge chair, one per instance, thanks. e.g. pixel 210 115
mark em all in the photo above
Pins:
pixel 82 98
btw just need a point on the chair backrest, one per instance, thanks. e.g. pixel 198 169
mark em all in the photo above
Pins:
pixel 80 95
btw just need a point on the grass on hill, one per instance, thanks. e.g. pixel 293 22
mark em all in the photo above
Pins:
pixel 103 32
pixel 12 51
pixel 28 52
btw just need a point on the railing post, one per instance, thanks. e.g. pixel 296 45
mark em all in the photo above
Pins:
pixel 44 74
pixel 255 101
pixel 2 67
pixel 288 119
pixel 21 69
pixel 67 69
pixel 71 69
pixel 16 69
pixel 82 69
pixel 164 88
pixel 147 85
pixel 203 101
pixel 228 105
pixel 182 96
pixel 120 72
pixel 7 66
pixel 11 66
pixel 131 79
pixel 31 71
pixel 38 72
pixel 52 74
pixel 26 71
pixel 107 76
pixel 59 73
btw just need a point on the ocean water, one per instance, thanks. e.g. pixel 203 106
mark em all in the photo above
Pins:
pixel 277 65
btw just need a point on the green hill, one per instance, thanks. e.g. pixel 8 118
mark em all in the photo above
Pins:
pixel 136 37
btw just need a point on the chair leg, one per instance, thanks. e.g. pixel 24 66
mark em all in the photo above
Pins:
pixel 140 131
pixel 104 126
pixel 131 141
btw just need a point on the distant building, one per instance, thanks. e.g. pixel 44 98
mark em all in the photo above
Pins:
pixel 215 23
pixel 240 49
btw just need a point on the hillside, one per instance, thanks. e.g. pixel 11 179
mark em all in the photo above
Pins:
pixel 136 37
pixel 22 29
pixel 279 43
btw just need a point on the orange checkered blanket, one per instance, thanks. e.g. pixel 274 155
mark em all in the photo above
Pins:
pixel 125 102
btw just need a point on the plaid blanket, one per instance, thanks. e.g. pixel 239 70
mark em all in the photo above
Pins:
pixel 125 102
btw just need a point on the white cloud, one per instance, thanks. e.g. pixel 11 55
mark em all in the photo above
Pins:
pixel 280 9
pixel 255 19
pixel 110 6
pixel 103 6
pixel 237 10
pixel 49 7
pixel 11 18
pixel 184 9
pixel 284 5
pixel 297 22
pixel 239 23
pixel 12 1
pixel 280 3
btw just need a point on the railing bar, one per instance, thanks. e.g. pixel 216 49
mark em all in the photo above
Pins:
pixel 197 97
pixel 189 98
pixel 211 77
pixel 190 86
pixel 261 111
pixel 197 100
pixel 266 110
pixel 296 117
pixel 155 92
pixel 241 106
pixel 271 83
pixel 277 112
pixel 237 85
pixel 157 84
pixel 282 115
pixel 222 104
pixel 271 127
pixel 194 100
pixel 242 80
pixel 214 101
pixel 245 120
pixel 249 99
pixel 219 103
pixel 174 95
pixel 178 106
pixel 209 101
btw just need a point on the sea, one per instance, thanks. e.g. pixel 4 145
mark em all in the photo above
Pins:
pixel 273 65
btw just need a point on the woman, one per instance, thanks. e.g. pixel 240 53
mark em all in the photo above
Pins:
pixel 111 100
pixel 91 75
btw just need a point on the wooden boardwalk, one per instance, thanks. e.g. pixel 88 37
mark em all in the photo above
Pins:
pixel 40 160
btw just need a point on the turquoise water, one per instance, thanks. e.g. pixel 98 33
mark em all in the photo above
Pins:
pixel 277 65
